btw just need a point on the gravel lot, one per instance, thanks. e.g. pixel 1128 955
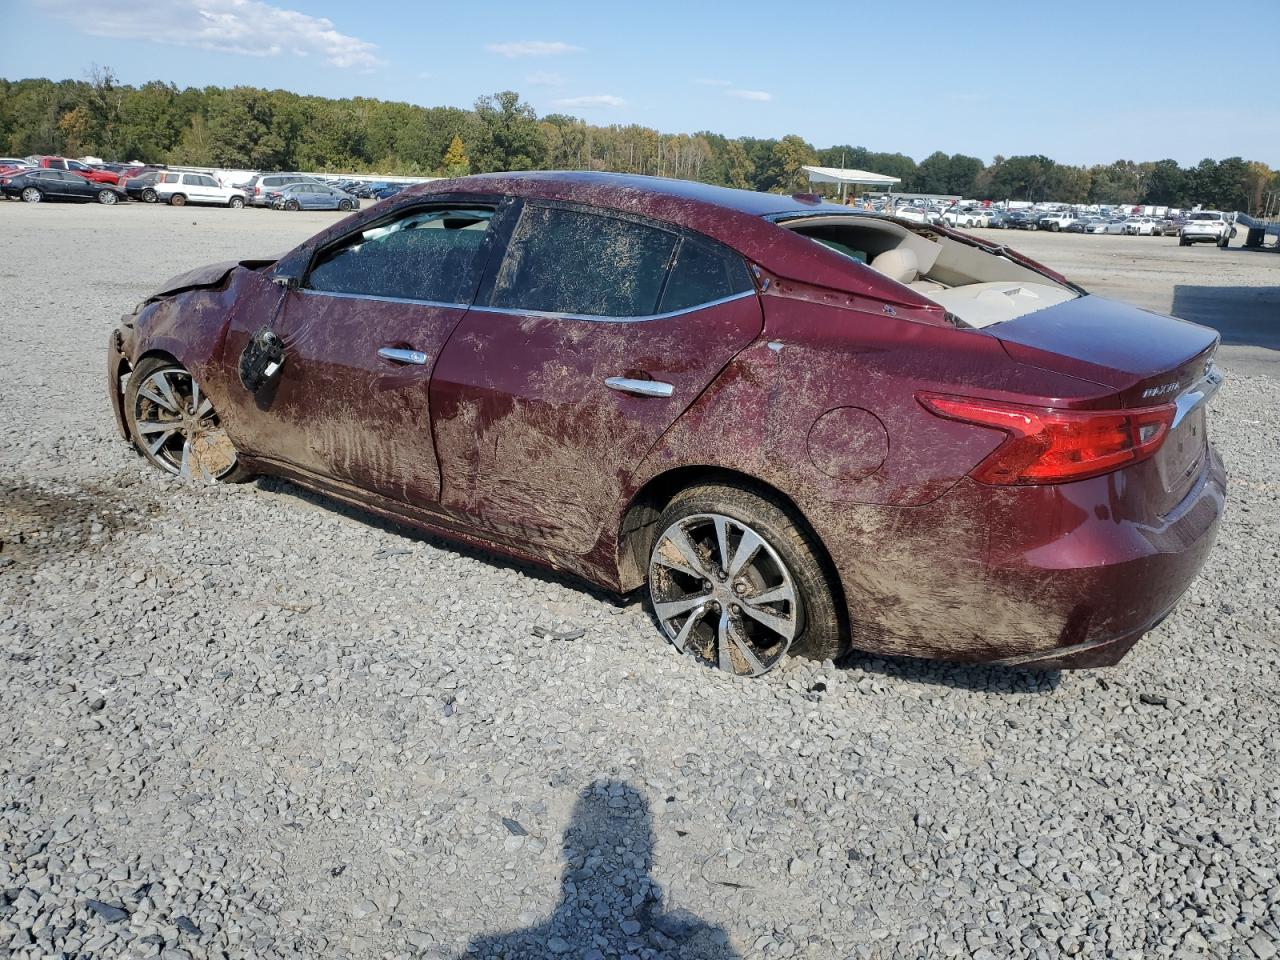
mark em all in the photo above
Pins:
pixel 246 722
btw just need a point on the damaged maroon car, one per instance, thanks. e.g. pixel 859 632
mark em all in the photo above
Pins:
pixel 804 429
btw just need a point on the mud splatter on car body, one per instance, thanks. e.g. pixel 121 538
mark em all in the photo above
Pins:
pixel 507 436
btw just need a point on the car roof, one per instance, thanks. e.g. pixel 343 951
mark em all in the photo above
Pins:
pixel 631 192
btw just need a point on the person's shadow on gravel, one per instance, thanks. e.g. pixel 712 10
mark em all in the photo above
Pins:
pixel 609 905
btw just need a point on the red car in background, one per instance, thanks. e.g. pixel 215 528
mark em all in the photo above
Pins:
pixel 89 172
pixel 805 429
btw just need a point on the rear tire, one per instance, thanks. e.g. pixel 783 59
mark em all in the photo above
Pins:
pixel 177 200
pixel 803 620
pixel 31 195
pixel 292 205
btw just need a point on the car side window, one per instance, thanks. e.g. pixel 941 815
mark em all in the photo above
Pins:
pixel 572 262
pixel 206 181
pixel 426 254
pixel 703 272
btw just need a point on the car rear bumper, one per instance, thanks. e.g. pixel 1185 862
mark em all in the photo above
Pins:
pixel 1040 577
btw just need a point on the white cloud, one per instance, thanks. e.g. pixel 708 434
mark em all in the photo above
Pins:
pixel 585 103
pixel 248 27
pixel 709 82
pixel 544 78
pixel 531 48
pixel 758 95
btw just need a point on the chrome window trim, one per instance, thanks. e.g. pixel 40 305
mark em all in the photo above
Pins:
pixel 369 296
pixel 516 311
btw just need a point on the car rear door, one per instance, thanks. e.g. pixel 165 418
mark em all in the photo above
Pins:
pixel 362 335
pixel 589 338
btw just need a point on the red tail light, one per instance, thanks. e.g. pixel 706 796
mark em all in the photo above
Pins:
pixel 1045 445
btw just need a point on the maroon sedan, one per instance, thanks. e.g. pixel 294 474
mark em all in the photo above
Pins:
pixel 806 429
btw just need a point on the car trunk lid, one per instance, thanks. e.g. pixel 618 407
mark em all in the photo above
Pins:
pixel 1144 358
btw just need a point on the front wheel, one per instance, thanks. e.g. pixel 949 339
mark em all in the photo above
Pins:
pixel 236 203
pixel 31 195
pixel 149 195
pixel 174 426
pixel 344 205
pixel 736 582
pixel 107 196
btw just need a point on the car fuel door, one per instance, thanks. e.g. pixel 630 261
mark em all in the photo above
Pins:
pixel 589 339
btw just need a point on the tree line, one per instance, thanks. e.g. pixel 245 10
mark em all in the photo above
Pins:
pixel 251 128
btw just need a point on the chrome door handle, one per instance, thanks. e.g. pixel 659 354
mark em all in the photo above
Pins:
pixel 641 388
pixel 403 356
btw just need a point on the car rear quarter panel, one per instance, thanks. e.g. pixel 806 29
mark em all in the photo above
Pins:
pixel 910 538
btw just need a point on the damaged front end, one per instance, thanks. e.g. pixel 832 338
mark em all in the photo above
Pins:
pixel 141 331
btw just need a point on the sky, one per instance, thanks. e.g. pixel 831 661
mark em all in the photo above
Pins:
pixel 1081 82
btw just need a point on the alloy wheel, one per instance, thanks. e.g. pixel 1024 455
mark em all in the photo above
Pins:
pixel 723 594
pixel 178 429
pixel 107 196
pixel 31 195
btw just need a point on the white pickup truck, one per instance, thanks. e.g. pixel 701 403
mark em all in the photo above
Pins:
pixel 1055 221
pixel 1206 226
pixel 177 189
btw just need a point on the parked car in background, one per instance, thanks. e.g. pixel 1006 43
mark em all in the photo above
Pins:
pixel 43 183
pixel 177 188
pixel 390 190
pixel 1080 224
pixel 965 218
pixel 1021 220
pixel 57 163
pixel 311 196
pixel 1058 438
pixel 997 219
pixel 1113 226
pixel 264 183
pixel 1140 227
pixel 1206 226
pixel 100 174
pixel 143 186
pixel 11 163
pixel 1055 221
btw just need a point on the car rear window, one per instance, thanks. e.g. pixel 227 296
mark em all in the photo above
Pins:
pixel 429 255
pixel 571 262
pixel 702 273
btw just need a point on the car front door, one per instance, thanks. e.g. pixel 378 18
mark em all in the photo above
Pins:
pixel 588 340
pixel 362 335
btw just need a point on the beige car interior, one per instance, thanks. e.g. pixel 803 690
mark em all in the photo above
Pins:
pixel 978 287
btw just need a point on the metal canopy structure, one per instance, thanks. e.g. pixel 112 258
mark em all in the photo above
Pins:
pixel 846 178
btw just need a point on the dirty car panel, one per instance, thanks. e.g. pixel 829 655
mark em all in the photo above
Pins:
pixel 988 463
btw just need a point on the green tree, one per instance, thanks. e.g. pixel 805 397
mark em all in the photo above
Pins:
pixel 509 135
pixel 786 159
